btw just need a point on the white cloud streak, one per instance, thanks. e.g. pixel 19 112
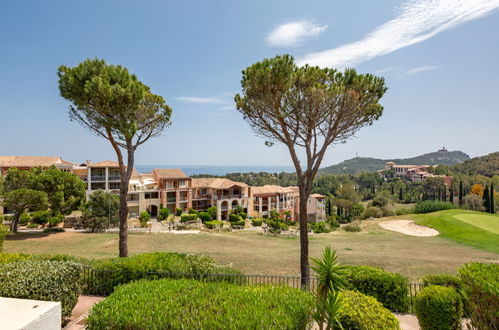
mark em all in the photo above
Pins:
pixel 294 33
pixel 417 21
pixel 204 100
pixel 420 69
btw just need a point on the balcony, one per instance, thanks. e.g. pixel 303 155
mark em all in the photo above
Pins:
pixel 113 178
pixel 97 178
pixel 196 197
pixel 228 196
pixel 171 200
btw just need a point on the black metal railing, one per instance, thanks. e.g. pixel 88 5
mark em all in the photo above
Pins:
pixel 102 282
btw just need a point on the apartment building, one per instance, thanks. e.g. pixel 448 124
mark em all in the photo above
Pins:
pixel 174 188
pixel 225 194
pixel 271 197
pixel 414 173
pixel 29 162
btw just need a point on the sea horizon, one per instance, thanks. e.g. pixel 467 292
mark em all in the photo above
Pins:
pixel 218 169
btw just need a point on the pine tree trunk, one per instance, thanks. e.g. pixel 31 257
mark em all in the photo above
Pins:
pixel 15 221
pixel 124 180
pixel 304 262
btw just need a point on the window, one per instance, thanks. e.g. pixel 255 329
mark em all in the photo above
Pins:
pixel 151 195
pixel 114 185
pixel 133 197
pixel 169 184
pixel 203 192
pixel 182 184
pixel 98 185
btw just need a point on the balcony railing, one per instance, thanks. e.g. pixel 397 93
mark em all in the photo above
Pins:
pixel 98 178
pixel 171 200
pixel 219 197
pixel 113 178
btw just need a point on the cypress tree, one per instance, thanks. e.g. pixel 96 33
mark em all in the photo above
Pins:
pixel 444 194
pixel 492 206
pixel 486 199
pixel 451 194
pixel 460 193
pixel 393 190
pixel 439 196
pixel 401 194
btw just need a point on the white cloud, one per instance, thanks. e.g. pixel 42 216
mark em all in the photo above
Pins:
pixel 294 33
pixel 417 21
pixel 195 99
pixel 420 69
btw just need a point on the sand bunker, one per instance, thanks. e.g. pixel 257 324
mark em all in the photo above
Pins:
pixel 408 227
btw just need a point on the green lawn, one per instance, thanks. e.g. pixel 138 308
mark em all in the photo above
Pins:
pixel 258 254
pixel 477 229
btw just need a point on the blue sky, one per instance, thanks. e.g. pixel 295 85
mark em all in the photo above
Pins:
pixel 439 58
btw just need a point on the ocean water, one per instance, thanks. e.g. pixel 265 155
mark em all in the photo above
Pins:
pixel 217 170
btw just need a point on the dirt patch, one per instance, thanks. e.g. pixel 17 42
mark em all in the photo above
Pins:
pixel 408 227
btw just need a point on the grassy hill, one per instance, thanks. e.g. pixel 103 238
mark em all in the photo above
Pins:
pixel 477 229
pixel 367 164
pixel 486 165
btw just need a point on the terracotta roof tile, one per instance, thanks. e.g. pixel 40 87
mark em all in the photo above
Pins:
pixel 170 173
pixel 216 183
pixel 30 161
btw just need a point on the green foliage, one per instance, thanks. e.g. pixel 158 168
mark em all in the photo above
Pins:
pixel 388 288
pixel 442 280
pixel 381 199
pixel 6 258
pixel 473 202
pixel 257 222
pixel 187 304
pixel 354 228
pixel 54 230
pixel 486 165
pixel 243 215
pixel 100 211
pixel 432 206
pixel 319 227
pixel 188 217
pixel 32 225
pixel 480 285
pixel 372 212
pixel 178 212
pixel 276 226
pixel 204 216
pixel 42 280
pixel 164 213
pixel 24 219
pixel 144 216
pixel 212 210
pixel 234 217
pixel 113 272
pixel 192 211
pixel 331 276
pixel 333 222
pixel 55 220
pixel 41 217
pixel 21 199
pixel 213 224
pixel 238 224
pixel 361 312
pixel 404 211
pixel 438 307
pixel 3 233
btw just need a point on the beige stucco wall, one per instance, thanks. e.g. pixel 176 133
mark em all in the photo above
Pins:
pixel 29 314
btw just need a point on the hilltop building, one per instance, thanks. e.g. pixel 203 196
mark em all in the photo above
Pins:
pixel 414 173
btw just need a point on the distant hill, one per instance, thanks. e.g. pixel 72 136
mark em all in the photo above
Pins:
pixel 368 164
pixel 486 165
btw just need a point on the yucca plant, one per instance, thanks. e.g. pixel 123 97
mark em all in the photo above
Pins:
pixel 331 280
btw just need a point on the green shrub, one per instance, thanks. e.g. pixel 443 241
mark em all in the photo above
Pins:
pixel 3 233
pixel 188 217
pixel 256 222
pixel 188 304
pixel 243 215
pixel 213 224
pixel 387 212
pixel 319 227
pixel 6 258
pixel 41 217
pixel 204 216
pixel 144 216
pixel 234 217
pixel 32 225
pixel 24 219
pixel 356 210
pixel 178 211
pixel 480 286
pixel 192 211
pixel 432 206
pixel 42 280
pixel 443 280
pixel 352 228
pixel 372 212
pixel 360 311
pixel 164 213
pixel 404 211
pixel 438 307
pixel 113 272
pixel 212 210
pixel 55 220
pixel 238 224
pixel 390 289
pixel 333 222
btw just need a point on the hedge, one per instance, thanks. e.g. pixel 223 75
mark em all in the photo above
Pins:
pixel 432 206
pixel 42 280
pixel 390 289
pixel 238 224
pixel 448 280
pixel 204 216
pixel 14 257
pixel 360 311
pixel 113 272
pixel 6 258
pixel 188 217
pixel 480 285
pixel 188 304
pixel 234 217
pixel 256 222
pixel 213 224
pixel 438 307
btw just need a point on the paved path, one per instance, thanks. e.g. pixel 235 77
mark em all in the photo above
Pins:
pixel 80 312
